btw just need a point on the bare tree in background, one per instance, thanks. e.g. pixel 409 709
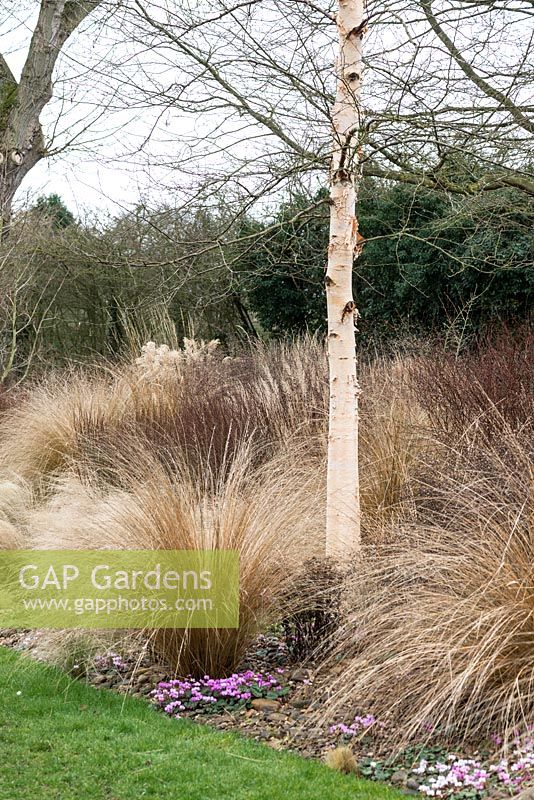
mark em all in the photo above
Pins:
pixel 437 113
pixel 243 92
pixel 22 142
pixel 242 100
pixel 207 76
pixel 261 72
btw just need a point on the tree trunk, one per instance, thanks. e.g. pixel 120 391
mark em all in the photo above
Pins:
pixel 343 496
pixel 21 102
pixel 13 169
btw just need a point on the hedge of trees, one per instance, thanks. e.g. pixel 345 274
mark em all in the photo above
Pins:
pixel 432 264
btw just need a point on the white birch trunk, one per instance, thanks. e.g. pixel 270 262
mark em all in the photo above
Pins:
pixel 343 501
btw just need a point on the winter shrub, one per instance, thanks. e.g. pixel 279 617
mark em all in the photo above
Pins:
pixel 481 391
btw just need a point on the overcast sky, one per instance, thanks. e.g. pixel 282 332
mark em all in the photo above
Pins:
pixel 124 148
pixel 98 173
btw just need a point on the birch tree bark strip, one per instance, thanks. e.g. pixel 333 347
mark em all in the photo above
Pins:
pixel 343 501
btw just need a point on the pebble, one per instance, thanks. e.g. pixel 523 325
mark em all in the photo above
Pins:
pixel 300 675
pixel 399 778
pixel 299 702
pixel 265 706
pixel 279 717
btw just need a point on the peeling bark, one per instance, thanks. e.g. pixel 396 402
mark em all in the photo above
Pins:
pixel 343 502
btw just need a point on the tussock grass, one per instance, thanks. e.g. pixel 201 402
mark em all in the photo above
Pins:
pixel 41 435
pixel 262 512
pixel 211 452
pixel 73 651
pixel 202 411
pixel 342 759
pixel 394 441
pixel 438 627
pixel 441 629
pixel 15 505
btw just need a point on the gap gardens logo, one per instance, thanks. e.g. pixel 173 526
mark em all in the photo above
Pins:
pixel 119 589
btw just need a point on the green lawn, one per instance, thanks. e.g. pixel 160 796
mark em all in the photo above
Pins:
pixel 61 739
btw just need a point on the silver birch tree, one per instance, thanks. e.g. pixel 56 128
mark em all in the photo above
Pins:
pixel 343 502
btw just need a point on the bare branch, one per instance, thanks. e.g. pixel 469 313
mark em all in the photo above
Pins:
pixel 501 98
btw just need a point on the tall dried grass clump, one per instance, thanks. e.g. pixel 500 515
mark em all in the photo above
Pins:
pixel 200 407
pixel 441 630
pixel 42 435
pixel 394 442
pixel 181 450
pixel 189 449
pixel 15 506
pixel 197 408
pixel 261 512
